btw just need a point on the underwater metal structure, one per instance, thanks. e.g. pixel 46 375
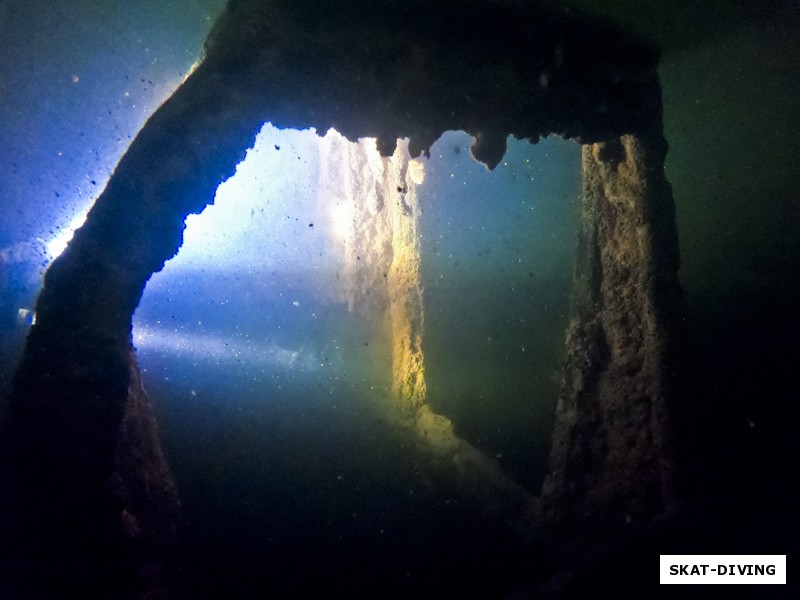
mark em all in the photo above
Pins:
pixel 93 507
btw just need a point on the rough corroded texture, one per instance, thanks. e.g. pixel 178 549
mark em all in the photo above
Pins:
pixel 78 450
pixel 149 513
pixel 90 508
pixel 377 210
pixel 612 461
pixel 381 280
pixel 404 280
pixel 414 68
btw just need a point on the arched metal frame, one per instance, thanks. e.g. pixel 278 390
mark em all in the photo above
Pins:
pixel 80 445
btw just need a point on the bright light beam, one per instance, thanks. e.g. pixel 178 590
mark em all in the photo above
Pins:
pixel 265 210
pixel 57 245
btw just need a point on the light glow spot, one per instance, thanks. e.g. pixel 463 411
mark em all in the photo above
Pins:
pixel 59 243
pixel 341 215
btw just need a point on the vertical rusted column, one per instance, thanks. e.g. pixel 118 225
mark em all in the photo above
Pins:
pixel 89 508
pixel 612 462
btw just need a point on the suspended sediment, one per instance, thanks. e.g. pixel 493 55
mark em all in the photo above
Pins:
pixel 374 207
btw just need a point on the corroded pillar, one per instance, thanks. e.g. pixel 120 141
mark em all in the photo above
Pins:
pixel 613 462
pixel 406 315
pixel 375 210
pixel 88 505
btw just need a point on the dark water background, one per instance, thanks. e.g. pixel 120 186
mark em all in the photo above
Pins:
pixel 272 397
pixel 497 260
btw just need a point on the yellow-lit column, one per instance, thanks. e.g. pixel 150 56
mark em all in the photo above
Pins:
pixel 402 175
pixel 373 215
pixel 404 283
pixel 373 211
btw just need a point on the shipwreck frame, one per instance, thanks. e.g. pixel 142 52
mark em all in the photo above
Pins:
pixel 80 447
